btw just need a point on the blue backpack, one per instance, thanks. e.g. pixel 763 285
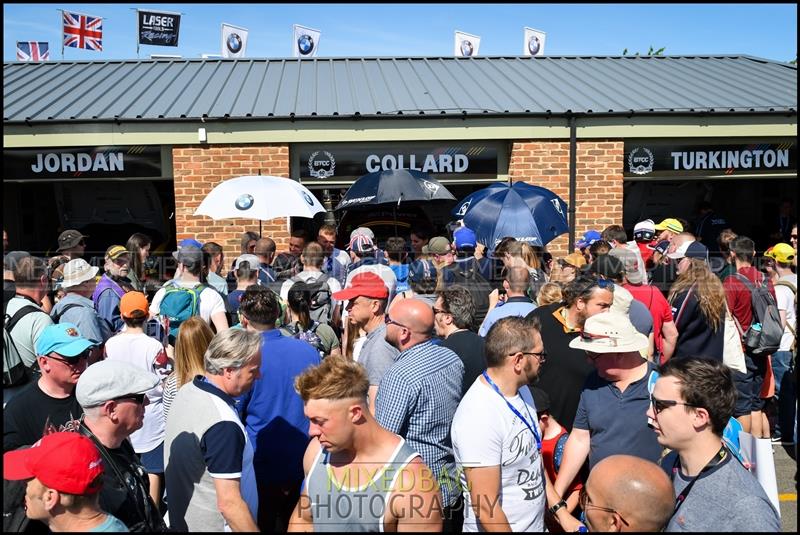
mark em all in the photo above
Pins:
pixel 179 304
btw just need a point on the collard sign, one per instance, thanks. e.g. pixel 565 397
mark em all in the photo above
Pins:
pixel 82 163
pixel 337 163
pixel 659 158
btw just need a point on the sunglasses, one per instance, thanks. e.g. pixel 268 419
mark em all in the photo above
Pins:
pixel 586 504
pixel 74 360
pixel 589 337
pixel 137 398
pixel 661 404
pixel 542 356
pixel 390 321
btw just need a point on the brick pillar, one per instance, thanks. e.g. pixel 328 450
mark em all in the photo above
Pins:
pixel 598 192
pixel 198 168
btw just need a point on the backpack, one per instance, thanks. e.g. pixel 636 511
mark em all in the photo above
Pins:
pixel 56 317
pixel 14 518
pixel 321 301
pixel 472 279
pixel 15 372
pixel 763 337
pixel 309 335
pixel 178 305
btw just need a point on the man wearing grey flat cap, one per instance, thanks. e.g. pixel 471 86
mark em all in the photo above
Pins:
pixel 113 397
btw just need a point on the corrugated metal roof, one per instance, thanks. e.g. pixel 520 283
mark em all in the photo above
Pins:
pixel 174 89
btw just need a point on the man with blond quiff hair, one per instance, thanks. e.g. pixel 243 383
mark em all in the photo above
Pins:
pixel 348 450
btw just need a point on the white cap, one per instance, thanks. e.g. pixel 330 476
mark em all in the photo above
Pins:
pixel 249 258
pixel 110 379
pixel 77 271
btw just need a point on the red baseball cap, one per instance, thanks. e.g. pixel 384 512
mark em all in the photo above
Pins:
pixel 66 461
pixel 366 285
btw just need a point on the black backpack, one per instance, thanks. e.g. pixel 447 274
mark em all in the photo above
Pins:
pixel 763 337
pixel 468 275
pixel 321 301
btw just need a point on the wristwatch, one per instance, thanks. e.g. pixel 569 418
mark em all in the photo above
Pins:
pixel 553 510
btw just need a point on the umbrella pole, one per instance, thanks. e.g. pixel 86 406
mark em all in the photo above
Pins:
pixel 259 229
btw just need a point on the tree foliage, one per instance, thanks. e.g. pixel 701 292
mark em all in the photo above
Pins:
pixel 651 52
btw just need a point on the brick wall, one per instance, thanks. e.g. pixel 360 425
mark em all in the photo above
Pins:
pixel 197 169
pixel 598 181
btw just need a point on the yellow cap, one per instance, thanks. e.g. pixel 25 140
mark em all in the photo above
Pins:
pixel 781 252
pixel 670 224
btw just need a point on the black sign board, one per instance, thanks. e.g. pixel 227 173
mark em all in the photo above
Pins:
pixel 343 162
pixel 81 163
pixel 683 159
pixel 158 28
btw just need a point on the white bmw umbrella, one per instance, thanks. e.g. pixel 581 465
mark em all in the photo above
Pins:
pixel 259 197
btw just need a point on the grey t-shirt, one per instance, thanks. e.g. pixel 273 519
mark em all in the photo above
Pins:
pixel 377 355
pixel 726 498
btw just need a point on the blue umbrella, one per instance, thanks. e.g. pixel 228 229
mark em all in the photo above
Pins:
pixel 530 214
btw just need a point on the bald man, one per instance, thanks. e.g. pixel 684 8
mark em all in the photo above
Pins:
pixel 627 493
pixel 418 397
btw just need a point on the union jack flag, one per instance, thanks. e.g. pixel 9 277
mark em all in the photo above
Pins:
pixel 33 51
pixel 83 31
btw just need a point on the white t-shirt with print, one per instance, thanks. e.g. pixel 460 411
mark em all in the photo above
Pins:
pixel 211 302
pixel 486 432
pixel 785 298
pixel 148 354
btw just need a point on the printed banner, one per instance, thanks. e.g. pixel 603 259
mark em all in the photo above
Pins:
pixel 83 31
pixel 305 42
pixel 466 45
pixel 234 41
pixel 158 28
pixel 33 51
pixel 534 42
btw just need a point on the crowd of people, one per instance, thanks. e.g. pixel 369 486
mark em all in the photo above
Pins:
pixel 428 384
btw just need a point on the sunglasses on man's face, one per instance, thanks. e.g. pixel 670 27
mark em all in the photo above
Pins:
pixel 136 398
pixel 74 360
pixel 663 404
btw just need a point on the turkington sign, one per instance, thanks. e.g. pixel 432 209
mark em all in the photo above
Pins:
pixel 730 159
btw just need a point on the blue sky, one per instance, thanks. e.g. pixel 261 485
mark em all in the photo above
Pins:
pixel 364 30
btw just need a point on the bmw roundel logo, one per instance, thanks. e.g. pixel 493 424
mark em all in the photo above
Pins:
pixel 534 45
pixel 305 44
pixel 234 43
pixel 308 198
pixel 466 48
pixel 244 202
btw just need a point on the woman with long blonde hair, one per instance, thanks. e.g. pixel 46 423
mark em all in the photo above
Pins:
pixel 191 343
pixel 698 301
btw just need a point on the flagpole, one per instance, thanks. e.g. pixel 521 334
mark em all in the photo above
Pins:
pixel 62 32
pixel 137 32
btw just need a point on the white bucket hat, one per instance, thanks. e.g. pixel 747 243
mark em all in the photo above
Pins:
pixel 78 271
pixel 609 332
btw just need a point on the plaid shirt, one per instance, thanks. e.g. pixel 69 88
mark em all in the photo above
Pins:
pixel 417 399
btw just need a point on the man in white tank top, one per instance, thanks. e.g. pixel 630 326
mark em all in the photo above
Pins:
pixel 358 476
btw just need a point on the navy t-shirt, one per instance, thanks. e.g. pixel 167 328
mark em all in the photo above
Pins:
pixel 617 421
pixel 695 337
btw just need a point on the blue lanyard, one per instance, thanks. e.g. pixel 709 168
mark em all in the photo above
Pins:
pixel 515 411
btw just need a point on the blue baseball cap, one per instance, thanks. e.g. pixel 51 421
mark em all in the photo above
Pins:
pixel 464 237
pixel 589 238
pixel 64 339
pixel 188 242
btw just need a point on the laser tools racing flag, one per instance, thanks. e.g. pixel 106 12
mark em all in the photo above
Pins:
pixel 83 31
pixel 33 51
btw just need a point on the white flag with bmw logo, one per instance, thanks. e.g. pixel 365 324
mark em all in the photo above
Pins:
pixel 534 42
pixel 466 45
pixel 234 41
pixel 306 42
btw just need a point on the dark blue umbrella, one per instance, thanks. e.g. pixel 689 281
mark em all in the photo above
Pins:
pixel 530 214
pixel 395 186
